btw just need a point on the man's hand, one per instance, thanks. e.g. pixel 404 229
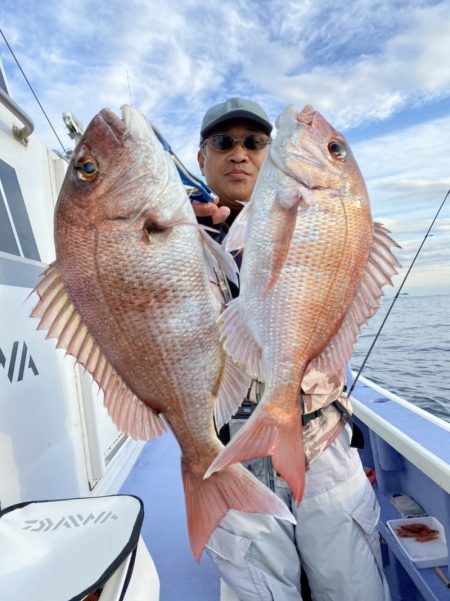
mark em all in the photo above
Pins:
pixel 211 209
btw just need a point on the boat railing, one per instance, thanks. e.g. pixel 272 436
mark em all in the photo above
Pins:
pixel 421 439
pixel 21 134
pixel 408 453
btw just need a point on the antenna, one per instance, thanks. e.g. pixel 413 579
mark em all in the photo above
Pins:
pixel 129 89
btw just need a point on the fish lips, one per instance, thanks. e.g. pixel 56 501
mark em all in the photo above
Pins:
pixel 288 124
pixel 132 124
pixel 113 123
pixel 136 124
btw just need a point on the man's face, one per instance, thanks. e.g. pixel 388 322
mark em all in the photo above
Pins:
pixel 232 174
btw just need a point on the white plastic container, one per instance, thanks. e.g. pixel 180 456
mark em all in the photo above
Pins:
pixel 426 554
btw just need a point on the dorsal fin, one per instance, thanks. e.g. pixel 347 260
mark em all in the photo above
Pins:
pixel 58 315
pixel 381 266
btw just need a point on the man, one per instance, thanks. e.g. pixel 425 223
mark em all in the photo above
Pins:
pixel 336 539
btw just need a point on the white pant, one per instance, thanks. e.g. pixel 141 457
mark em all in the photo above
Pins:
pixel 336 538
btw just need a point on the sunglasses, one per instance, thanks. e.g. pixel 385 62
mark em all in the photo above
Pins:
pixel 223 142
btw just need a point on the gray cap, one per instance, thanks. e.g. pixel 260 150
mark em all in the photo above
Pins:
pixel 234 108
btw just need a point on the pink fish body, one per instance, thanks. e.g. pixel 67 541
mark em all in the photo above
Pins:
pixel 129 296
pixel 312 271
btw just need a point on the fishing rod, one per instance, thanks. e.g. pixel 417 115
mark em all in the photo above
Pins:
pixel 33 92
pixel 396 297
pixel 200 192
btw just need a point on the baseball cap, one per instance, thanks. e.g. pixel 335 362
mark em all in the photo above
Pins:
pixel 234 108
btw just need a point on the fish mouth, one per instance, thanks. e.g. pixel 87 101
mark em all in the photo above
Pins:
pixel 290 119
pixel 137 126
pixel 116 126
pixel 306 115
pixel 132 123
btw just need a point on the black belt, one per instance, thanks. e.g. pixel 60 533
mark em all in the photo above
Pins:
pixel 357 436
pixel 310 416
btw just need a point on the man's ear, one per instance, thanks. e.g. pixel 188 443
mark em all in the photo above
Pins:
pixel 201 161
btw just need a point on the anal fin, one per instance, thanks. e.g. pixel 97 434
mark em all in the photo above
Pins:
pixel 233 389
pixel 236 237
pixel 223 258
pixel 238 341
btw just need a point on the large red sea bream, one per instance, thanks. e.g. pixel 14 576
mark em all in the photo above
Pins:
pixel 130 298
pixel 313 267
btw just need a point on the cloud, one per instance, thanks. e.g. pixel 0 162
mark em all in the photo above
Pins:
pixel 359 63
pixel 407 176
pixel 356 62
pixel 404 69
pixel 407 169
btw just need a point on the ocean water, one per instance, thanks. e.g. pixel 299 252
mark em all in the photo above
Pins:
pixel 412 354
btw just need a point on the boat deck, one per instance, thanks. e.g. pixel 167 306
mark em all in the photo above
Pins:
pixel 408 450
pixel 410 453
pixel 156 479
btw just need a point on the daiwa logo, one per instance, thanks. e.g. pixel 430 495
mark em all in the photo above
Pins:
pixel 69 521
pixel 22 360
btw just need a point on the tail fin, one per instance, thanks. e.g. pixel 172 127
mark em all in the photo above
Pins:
pixel 207 501
pixel 264 435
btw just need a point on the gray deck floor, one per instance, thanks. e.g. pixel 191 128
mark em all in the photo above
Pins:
pixel 156 479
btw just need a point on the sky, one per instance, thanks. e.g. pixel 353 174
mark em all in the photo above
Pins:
pixel 378 70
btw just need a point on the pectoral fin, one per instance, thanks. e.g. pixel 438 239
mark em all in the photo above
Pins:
pixel 286 206
pixel 58 315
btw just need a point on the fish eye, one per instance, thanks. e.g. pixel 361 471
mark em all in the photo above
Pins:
pixel 86 169
pixel 337 150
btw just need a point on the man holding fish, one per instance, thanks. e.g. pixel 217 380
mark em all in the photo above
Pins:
pixel 129 296
pixel 295 276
